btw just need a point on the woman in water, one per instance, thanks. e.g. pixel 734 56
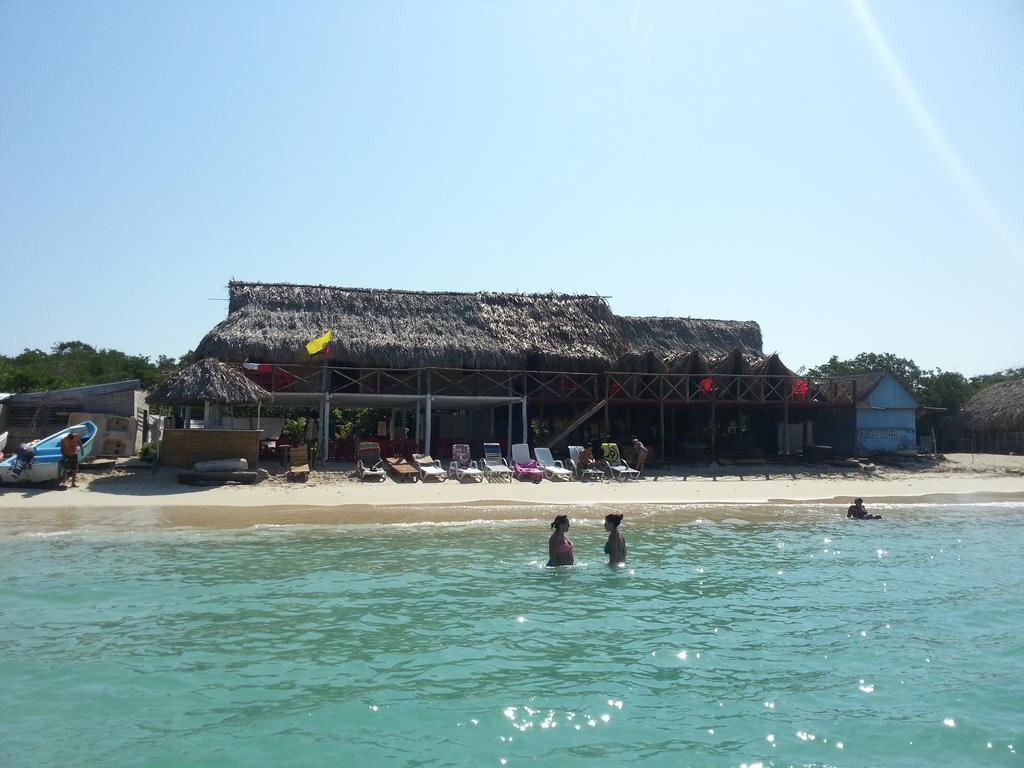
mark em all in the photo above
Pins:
pixel 559 545
pixel 616 546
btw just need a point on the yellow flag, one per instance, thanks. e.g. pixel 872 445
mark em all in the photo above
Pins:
pixel 316 345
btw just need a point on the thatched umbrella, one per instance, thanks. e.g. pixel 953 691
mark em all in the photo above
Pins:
pixel 999 408
pixel 211 383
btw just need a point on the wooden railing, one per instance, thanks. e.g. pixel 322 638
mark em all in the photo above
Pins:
pixel 559 386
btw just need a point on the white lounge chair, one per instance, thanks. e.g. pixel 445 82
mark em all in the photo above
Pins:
pixel 617 466
pixel 428 467
pixel 369 465
pixel 553 468
pixel 494 465
pixel 462 466
pixel 582 474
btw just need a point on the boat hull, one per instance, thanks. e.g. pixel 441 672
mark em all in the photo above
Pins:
pixel 46 466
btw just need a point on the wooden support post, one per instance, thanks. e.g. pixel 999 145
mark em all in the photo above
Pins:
pixel 785 427
pixel 426 444
pixel 714 423
pixel 526 424
pixel 508 438
pixel 607 405
pixel 661 427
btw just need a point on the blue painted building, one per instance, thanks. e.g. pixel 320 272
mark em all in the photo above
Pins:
pixel 886 415
pixel 884 421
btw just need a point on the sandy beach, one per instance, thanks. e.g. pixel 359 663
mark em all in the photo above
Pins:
pixel 127 497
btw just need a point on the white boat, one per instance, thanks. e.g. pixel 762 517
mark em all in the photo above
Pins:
pixel 45 465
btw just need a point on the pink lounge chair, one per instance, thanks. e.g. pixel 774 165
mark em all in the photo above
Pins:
pixel 523 467
pixel 529 471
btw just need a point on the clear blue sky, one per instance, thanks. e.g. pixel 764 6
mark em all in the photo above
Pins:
pixel 849 175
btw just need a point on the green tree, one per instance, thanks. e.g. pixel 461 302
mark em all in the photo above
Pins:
pixel 77 364
pixel 902 368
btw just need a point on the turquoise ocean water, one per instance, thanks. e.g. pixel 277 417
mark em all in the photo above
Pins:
pixel 780 637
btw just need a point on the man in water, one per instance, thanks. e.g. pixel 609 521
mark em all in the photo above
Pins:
pixel 857 511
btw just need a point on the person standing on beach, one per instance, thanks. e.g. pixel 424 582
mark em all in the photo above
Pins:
pixel 616 546
pixel 559 545
pixel 69 448
pixel 639 454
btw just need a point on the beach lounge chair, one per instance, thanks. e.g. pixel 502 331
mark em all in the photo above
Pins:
pixel 402 469
pixel 590 473
pixel 553 469
pixel 368 464
pixel 523 467
pixel 462 466
pixel 618 469
pixel 298 463
pixel 428 467
pixel 494 465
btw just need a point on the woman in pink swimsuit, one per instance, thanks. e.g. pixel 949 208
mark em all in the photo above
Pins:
pixel 559 545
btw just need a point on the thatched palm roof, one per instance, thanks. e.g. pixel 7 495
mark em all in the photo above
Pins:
pixel 672 337
pixel 690 363
pixel 999 408
pixel 208 381
pixel 770 365
pixel 271 322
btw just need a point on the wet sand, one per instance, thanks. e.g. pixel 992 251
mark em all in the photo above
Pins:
pixel 136 500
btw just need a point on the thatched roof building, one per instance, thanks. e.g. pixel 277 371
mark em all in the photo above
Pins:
pixel 208 381
pixel 271 322
pixel 999 408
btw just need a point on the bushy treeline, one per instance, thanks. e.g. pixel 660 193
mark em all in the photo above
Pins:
pixel 77 364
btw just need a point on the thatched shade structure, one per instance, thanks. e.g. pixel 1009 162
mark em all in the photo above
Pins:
pixel 208 381
pixel 771 365
pixel 271 323
pixel 689 363
pixel 999 408
pixel 668 339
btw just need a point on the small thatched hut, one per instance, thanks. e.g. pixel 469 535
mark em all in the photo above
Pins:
pixel 213 384
pixel 994 418
pixel 208 381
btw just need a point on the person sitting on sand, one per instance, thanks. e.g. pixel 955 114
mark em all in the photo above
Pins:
pixel 616 546
pixel 857 512
pixel 559 545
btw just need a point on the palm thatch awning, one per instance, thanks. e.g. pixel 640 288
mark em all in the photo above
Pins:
pixel 671 339
pixel 208 381
pixel 999 408
pixel 271 323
